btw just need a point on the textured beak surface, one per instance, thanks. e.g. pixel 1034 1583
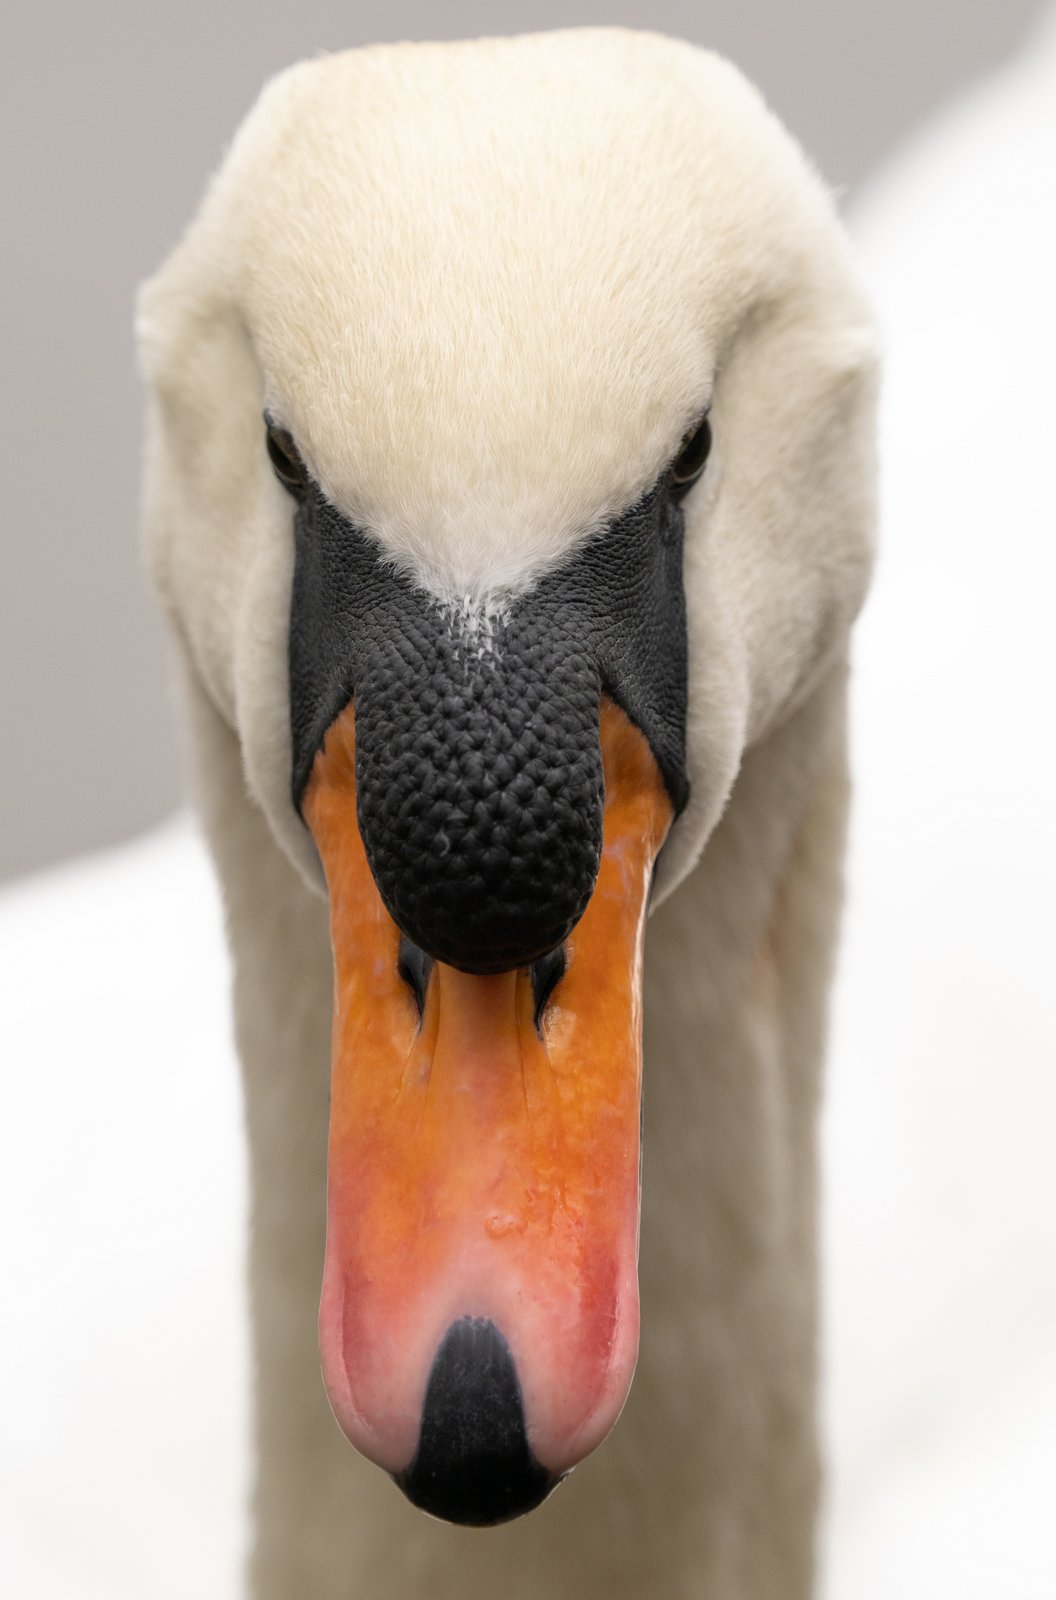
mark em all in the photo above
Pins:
pixel 484 1165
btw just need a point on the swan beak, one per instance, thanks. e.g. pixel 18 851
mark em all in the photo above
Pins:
pixel 479 1316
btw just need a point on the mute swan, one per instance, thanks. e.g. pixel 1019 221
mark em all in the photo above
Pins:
pixel 511 423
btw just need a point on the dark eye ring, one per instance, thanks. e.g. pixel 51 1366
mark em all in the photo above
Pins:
pixel 692 457
pixel 285 458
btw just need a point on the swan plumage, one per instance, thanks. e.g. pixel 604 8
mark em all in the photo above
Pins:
pixel 488 288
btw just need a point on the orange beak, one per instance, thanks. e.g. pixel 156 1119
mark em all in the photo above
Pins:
pixel 479 1317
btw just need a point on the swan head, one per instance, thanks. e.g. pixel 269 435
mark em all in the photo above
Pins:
pixel 509 465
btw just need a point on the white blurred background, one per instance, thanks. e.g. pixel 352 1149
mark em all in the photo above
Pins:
pixel 122 1384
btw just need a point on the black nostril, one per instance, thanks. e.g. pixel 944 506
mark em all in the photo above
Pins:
pixel 547 973
pixel 414 967
pixel 474 1464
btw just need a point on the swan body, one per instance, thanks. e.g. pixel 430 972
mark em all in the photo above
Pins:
pixel 488 289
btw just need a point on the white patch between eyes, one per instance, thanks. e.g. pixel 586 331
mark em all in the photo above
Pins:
pixel 473 621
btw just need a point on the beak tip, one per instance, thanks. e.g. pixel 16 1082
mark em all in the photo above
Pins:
pixel 474 1464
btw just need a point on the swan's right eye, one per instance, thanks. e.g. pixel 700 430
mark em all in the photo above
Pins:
pixel 692 458
pixel 286 458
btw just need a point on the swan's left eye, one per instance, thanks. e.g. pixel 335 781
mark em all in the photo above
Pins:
pixel 692 458
pixel 286 458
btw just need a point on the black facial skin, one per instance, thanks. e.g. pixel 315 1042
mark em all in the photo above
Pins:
pixel 478 764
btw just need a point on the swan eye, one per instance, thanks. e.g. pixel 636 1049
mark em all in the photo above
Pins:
pixel 286 458
pixel 692 458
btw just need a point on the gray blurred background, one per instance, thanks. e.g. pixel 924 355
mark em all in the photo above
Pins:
pixel 114 114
